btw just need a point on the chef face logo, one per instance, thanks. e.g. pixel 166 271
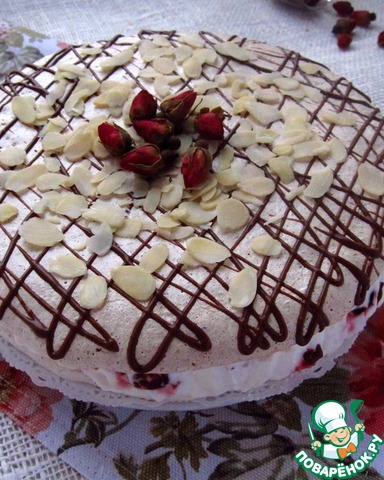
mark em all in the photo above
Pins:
pixel 336 440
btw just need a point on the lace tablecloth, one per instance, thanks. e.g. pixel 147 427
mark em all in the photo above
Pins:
pixel 44 435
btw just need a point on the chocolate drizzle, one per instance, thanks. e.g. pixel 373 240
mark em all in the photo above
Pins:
pixel 326 245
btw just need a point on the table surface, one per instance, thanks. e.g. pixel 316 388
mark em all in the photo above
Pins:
pixel 305 30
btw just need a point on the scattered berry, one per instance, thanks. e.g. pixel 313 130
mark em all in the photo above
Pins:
pixel 343 8
pixel 380 39
pixel 344 25
pixel 344 40
pixel 362 17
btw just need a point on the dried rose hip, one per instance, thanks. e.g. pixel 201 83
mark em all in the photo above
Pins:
pixel 362 17
pixel 380 39
pixel 344 40
pixel 344 25
pixel 343 8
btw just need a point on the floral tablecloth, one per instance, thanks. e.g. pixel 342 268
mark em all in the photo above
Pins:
pixel 255 440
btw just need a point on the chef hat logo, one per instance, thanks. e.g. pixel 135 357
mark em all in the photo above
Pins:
pixel 329 416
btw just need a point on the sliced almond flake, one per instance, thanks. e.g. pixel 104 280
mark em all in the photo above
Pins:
pixel 24 109
pixel 161 40
pixel 7 212
pixel 242 288
pixel 192 68
pixel 54 142
pixel 282 150
pixel 145 45
pixel 56 124
pixel 297 94
pixel 239 89
pixel 292 194
pixel 99 151
pixel 231 49
pixel 157 53
pixel 264 114
pixel 210 193
pixel 282 167
pixel 53 164
pixel 227 178
pixel 172 197
pixel 71 71
pixel 154 258
pixel 113 97
pixel 232 215
pixel 75 104
pixel 182 53
pixel 40 232
pixel 205 55
pixel 180 233
pixel 53 181
pixel 78 146
pixel 167 221
pixel 286 83
pixel 187 260
pixel 239 105
pixel 371 179
pixel 103 212
pixel 264 135
pixel 193 214
pixel 309 68
pixel 164 233
pixel 126 85
pixel 266 245
pixel 130 228
pixel 108 169
pixel 243 139
pixel 199 191
pixel 244 170
pixel 72 205
pixel 134 281
pixel 304 152
pixel 291 137
pixel 319 183
pixel 345 119
pixel 93 292
pixel 111 183
pixel 43 111
pixel 268 95
pixel 148 225
pixel 91 51
pixel 266 79
pixel 161 86
pixel 224 159
pixel 274 219
pixel 57 92
pixel 67 266
pixel 206 251
pixel 259 155
pixel 20 180
pixel 193 40
pixel 204 86
pixel 117 60
pixel 213 202
pixel 49 200
pixel 101 241
pixel 140 187
pixel 312 93
pixel 338 152
pixel 258 186
pixel 82 181
pixel 246 198
pixel 152 200
pixel 53 219
pixel 165 66
pixel 12 156
pixel 148 73
pixel 4 176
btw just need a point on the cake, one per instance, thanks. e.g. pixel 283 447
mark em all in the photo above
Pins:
pixel 186 220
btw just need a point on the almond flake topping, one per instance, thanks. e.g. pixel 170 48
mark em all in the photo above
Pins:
pixel 93 292
pixel 342 118
pixel 24 109
pixel 20 180
pixel 101 241
pixel 7 212
pixel 232 214
pixel 130 228
pixel 258 186
pixel 242 288
pixel 206 251
pixel 266 245
pixel 320 183
pixel 371 179
pixel 72 205
pixel 40 232
pixel 154 258
pixel 117 60
pixel 230 49
pixel 134 281
pixel 12 156
pixel 67 266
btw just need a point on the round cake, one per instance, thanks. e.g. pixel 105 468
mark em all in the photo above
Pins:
pixel 186 220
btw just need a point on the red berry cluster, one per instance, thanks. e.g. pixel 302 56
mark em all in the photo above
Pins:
pixel 349 20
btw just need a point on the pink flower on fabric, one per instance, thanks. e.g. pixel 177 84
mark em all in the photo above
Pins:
pixel 27 404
